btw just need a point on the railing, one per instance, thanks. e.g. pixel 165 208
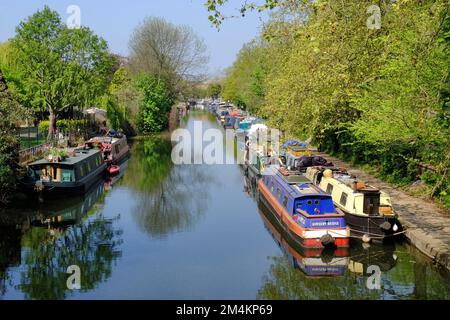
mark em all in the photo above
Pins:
pixel 27 155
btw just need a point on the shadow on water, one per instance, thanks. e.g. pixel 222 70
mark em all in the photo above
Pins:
pixel 45 239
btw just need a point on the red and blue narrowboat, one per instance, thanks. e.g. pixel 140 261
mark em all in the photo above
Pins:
pixel 306 212
pixel 313 262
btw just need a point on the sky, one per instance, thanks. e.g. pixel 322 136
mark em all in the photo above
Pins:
pixel 115 20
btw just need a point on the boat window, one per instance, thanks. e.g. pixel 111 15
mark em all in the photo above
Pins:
pixel 67 175
pixel 81 171
pixel 117 148
pixel 329 188
pixel 278 193
pixel 343 200
pixel 88 167
pixel 55 173
pixel 35 173
pixel 316 202
pixel 309 202
pixel 272 187
pixel 285 201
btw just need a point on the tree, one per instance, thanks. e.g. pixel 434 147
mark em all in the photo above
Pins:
pixel 214 90
pixel 171 53
pixel 215 8
pixel 64 67
pixel 369 95
pixel 10 113
pixel 155 104
pixel 121 102
pixel 244 79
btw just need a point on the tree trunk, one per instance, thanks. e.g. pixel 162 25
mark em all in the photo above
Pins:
pixel 52 125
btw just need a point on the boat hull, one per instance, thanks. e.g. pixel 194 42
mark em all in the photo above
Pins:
pixel 307 238
pixel 65 188
pixel 312 261
pixel 371 226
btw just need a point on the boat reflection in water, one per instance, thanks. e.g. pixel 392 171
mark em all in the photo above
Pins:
pixel 55 217
pixel 314 262
pixel 363 256
pixel 43 241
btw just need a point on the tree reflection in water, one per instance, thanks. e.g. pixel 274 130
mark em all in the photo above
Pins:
pixel 169 198
pixel 76 235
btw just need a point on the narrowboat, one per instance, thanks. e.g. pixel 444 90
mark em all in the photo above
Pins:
pixel 74 174
pixel 243 126
pixel 260 153
pixel 221 114
pixel 313 262
pixel 114 149
pixel 297 156
pixel 368 210
pixel 229 122
pixel 306 212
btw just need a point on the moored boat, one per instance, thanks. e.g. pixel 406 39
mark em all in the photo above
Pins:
pixel 314 262
pixel 305 211
pixel 75 173
pixel 260 153
pixel 368 210
pixel 114 149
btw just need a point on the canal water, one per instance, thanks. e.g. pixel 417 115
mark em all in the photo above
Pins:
pixel 165 231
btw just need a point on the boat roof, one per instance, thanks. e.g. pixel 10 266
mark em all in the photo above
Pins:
pixel 80 155
pixel 297 185
pixel 105 139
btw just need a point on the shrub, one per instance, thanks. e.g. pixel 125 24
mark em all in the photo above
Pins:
pixel 71 125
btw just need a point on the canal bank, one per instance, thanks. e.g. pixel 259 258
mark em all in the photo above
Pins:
pixel 427 225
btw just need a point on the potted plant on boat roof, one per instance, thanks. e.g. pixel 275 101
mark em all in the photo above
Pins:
pixel 56 155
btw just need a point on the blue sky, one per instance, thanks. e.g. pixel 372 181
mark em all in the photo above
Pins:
pixel 115 20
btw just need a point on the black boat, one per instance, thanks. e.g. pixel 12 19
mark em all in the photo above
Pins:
pixel 74 174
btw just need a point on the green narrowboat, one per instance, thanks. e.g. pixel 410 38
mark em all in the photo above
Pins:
pixel 74 174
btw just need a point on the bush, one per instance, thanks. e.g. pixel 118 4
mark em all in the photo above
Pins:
pixel 64 125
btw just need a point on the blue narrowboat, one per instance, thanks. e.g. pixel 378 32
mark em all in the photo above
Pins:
pixel 314 262
pixel 304 210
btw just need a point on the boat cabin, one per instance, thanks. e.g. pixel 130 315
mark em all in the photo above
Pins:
pixel 302 199
pixel 72 169
pixel 349 194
